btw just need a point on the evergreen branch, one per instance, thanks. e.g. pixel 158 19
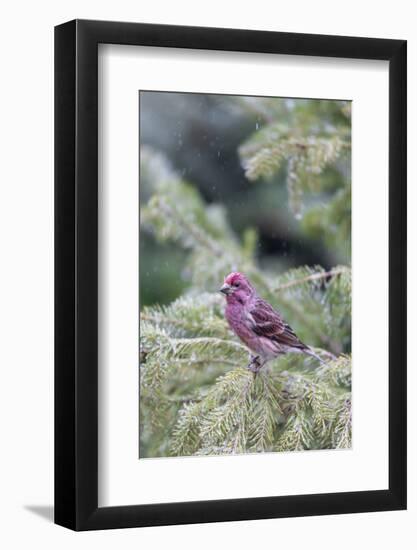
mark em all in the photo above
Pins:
pixel 264 158
pixel 337 372
pixel 204 342
pixel 189 315
pixel 265 414
pixel 264 155
pixel 186 437
pixel 188 230
pixel 342 434
pixel 227 406
pixel 312 277
pixel 297 434
pixel 199 237
pixel 156 319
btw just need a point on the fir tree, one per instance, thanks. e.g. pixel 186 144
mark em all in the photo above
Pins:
pixel 196 395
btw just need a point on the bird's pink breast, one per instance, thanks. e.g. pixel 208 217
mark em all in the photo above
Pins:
pixel 237 317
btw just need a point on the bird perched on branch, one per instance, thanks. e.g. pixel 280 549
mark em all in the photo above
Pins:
pixel 258 324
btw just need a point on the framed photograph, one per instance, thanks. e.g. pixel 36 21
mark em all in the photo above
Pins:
pixel 230 252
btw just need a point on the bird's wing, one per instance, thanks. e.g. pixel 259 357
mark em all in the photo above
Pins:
pixel 268 323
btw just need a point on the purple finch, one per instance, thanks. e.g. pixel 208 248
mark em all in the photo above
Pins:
pixel 260 327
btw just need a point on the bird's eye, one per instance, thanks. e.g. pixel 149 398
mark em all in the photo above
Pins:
pixel 236 284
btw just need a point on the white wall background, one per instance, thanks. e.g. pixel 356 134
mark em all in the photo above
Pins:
pixel 26 273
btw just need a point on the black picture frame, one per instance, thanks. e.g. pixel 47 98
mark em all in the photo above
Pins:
pixel 76 272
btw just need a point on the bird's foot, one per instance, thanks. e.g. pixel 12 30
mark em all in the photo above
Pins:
pixel 255 364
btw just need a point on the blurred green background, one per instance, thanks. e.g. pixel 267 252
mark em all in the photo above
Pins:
pixel 208 139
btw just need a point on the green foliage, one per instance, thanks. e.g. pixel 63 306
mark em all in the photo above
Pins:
pixel 309 151
pixel 196 395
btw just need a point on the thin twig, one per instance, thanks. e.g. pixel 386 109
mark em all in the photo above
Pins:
pixel 313 277
pixel 208 360
pixel 324 352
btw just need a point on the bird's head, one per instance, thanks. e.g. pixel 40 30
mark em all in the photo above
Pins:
pixel 236 287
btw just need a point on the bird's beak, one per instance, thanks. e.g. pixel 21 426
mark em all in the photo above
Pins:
pixel 226 289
